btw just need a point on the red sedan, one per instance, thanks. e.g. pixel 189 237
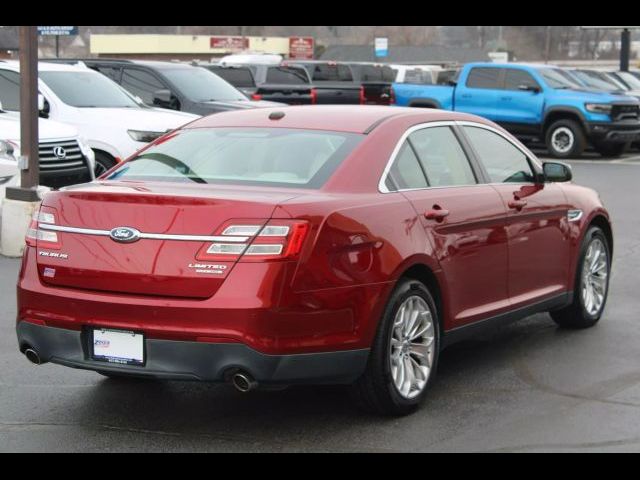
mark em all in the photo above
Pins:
pixel 343 245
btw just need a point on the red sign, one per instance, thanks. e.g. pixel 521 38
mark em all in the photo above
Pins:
pixel 301 48
pixel 229 43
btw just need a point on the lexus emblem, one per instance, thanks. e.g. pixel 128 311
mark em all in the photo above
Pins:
pixel 124 234
pixel 59 152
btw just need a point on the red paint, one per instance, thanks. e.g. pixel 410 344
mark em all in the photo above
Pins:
pixel 328 289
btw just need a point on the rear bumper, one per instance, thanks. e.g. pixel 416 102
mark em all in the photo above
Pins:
pixel 183 360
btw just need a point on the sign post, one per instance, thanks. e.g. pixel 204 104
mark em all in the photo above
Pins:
pixel 57 31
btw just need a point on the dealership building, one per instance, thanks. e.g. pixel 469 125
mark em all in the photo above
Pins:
pixel 196 47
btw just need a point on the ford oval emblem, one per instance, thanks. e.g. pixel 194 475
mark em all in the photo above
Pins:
pixel 124 234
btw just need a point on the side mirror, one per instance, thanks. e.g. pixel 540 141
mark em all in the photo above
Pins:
pixel 43 107
pixel 529 88
pixel 163 98
pixel 557 172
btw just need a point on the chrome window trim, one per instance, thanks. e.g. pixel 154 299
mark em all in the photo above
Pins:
pixel 148 236
pixel 382 188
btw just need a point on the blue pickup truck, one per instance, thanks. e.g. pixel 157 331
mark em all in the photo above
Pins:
pixel 539 102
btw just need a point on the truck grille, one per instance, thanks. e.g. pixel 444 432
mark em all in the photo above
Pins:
pixel 60 156
pixel 625 112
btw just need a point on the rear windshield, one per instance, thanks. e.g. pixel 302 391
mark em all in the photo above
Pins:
pixel 287 76
pixel 243 156
pixel 329 72
pixel 238 77
pixel 376 73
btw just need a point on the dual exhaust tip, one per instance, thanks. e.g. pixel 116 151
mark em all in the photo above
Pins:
pixel 241 381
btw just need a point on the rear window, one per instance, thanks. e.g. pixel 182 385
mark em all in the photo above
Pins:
pixel 480 77
pixel 238 77
pixel 327 72
pixel 287 76
pixel 378 73
pixel 243 156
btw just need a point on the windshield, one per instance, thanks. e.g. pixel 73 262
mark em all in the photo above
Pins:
pixel 599 81
pixel 200 85
pixel 630 79
pixel 243 156
pixel 87 89
pixel 557 78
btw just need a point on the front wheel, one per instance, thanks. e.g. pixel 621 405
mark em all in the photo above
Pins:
pixel 404 355
pixel 592 283
pixel 565 139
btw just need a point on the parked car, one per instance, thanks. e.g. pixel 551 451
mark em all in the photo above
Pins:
pixel 416 74
pixel 310 244
pixel 628 79
pixel 361 83
pixel 275 83
pixel 536 101
pixel 174 86
pixel 113 122
pixel 65 157
pixel 603 81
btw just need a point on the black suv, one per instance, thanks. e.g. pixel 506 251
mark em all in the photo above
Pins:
pixel 177 86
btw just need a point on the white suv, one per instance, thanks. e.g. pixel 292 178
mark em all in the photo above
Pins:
pixel 65 157
pixel 115 123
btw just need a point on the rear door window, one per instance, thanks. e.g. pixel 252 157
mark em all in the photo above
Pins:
pixel 442 157
pixel 141 83
pixel 406 172
pixel 287 76
pixel 484 77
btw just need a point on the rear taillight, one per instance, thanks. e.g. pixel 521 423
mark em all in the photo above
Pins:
pixel 392 96
pixel 314 96
pixel 37 236
pixel 256 97
pixel 363 99
pixel 256 241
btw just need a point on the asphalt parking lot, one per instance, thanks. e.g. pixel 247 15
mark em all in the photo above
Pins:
pixel 527 387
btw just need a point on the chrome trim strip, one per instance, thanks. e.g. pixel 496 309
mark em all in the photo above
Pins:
pixel 382 188
pixel 148 236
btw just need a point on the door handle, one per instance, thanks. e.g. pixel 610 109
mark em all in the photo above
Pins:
pixel 506 98
pixel 436 213
pixel 517 204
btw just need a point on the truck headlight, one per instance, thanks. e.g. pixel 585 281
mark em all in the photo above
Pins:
pixel 144 136
pixel 599 107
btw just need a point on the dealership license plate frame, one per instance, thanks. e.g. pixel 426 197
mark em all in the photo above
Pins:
pixel 138 360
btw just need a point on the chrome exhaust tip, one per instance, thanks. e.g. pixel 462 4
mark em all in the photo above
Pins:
pixel 243 382
pixel 32 356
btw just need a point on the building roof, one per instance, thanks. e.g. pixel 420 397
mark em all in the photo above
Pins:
pixel 406 54
pixel 9 38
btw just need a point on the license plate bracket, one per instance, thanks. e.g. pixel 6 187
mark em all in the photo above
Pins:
pixel 122 347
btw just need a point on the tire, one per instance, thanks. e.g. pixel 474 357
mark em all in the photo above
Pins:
pixel 581 314
pixel 612 149
pixel 104 162
pixel 569 130
pixel 376 391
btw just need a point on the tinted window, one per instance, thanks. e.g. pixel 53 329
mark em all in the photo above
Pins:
pixel 141 83
pixel 287 76
pixel 112 72
pixel 238 77
pixel 326 72
pixel 10 90
pixel 418 77
pixel 243 156
pixel 442 157
pixel 513 79
pixel 502 160
pixel 201 85
pixel 405 171
pixel 87 89
pixel 480 77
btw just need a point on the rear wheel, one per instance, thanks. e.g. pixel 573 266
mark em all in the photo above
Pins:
pixel 104 162
pixel 404 355
pixel 592 283
pixel 565 139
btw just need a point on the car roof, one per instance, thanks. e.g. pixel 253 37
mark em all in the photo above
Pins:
pixel 341 118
